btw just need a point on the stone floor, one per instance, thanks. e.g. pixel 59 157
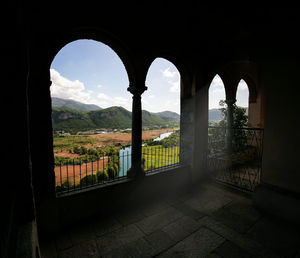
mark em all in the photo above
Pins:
pixel 211 221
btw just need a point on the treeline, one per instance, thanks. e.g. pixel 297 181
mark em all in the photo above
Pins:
pixel 109 172
pixel 88 155
pixel 170 141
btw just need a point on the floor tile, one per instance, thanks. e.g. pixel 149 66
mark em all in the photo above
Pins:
pixel 199 244
pixel 158 221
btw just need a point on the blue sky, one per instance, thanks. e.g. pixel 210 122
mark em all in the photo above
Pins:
pixel 91 72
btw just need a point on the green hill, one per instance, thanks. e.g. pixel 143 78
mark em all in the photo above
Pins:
pixel 151 119
pixel 64 118
pixel 112 117
pixel 169 116
pixel 69 119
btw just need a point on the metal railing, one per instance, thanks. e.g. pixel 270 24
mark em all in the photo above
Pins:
pixel 241 165
pixel 157 158
pixel 75 174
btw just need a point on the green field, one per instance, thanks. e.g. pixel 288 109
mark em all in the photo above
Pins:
pixel 158 156
pixel 67 142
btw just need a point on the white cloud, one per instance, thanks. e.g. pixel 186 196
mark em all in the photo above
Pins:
pixel 99 86
pixel 103 96
pixel 173 78
pixel 217 83
pixel 216 92
pixel 120 101
pixel 175 86
pixel 64 88
pixel 107 101
pixel 242 85
pixel 168 74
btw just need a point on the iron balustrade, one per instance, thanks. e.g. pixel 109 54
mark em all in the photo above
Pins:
pixel 77 174
pixel 156 158
pixel 239 165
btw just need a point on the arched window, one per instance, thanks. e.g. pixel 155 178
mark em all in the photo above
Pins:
pixel 161 116
pixel 91 116
pixel 242 95
pixel 216 94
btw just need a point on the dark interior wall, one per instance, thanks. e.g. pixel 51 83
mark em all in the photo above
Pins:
pixel 16 175
pixel 281 141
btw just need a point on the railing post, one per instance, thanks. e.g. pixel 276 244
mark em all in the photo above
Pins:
pixel 229 131
pixel 136 158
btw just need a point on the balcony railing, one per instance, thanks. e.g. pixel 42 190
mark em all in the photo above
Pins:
pixel 239 165
pixel 156 158
pixel 75 175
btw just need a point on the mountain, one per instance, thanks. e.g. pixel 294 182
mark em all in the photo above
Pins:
pixel 73 115
pixel 169 116
pixel 112 117
pixel 216 115
pixel 65 118
pixel 151 119
pixel 69 103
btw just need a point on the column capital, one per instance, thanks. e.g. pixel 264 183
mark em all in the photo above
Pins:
pixel 230 101
pixel 135 90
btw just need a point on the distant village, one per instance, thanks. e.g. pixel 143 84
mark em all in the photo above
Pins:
pixel 108 130
pixel 96 131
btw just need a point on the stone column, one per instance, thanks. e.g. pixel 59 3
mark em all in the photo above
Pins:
pixel 136 142
pixel 229 129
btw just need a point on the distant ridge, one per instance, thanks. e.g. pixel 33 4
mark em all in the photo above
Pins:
pixel 216 115
pixel 69 103
pixel 74 116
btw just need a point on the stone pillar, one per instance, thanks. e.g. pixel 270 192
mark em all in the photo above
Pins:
pixel 136 142
pixel 229 129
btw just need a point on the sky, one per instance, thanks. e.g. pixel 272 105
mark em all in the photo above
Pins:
pixel 92 73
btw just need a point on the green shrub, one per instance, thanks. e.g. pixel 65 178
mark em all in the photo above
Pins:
pixel 63 187
pixel 102 175
pixel 88 180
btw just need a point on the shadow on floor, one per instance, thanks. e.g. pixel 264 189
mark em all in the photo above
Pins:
pixel 211 221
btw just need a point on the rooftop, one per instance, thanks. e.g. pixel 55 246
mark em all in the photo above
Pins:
pixel 208 221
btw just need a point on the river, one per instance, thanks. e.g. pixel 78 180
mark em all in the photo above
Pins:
pixel 125 155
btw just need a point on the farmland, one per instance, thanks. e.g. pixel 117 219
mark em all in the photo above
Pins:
pixel 64 145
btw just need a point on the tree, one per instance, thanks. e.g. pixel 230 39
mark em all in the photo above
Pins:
pixel 240 119
pixel 217 134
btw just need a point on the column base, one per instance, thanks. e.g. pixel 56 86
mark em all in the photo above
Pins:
pixel 278 202
pixel 135 173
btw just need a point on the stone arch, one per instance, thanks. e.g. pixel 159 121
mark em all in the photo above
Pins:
pixel 217 80
pixel 168 77
pixel 233 72
pixel 186 89
pixel 241 93
pixel 99 36
pixel 252 87
pixel 38 91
